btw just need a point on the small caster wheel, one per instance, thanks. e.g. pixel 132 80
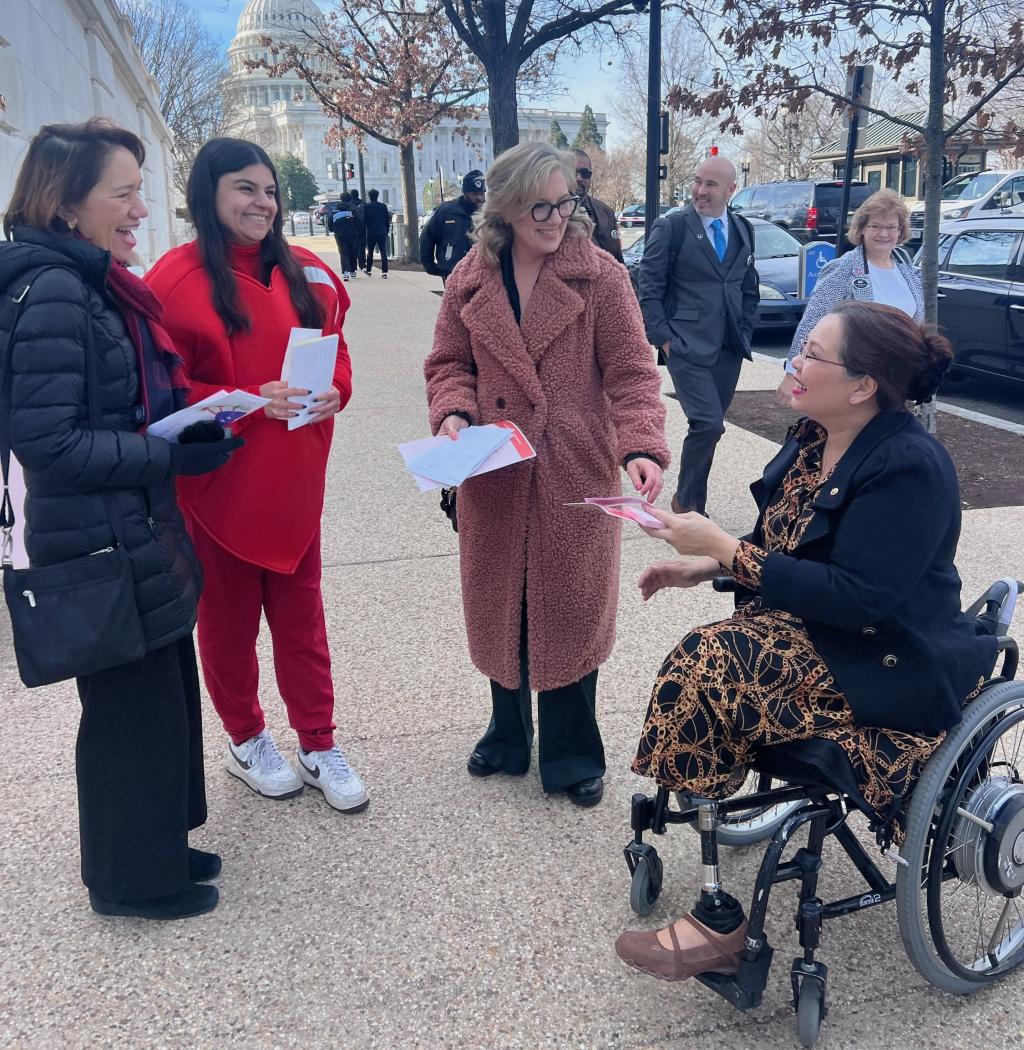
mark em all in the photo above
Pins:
pixel 810 1011
pixel 645 886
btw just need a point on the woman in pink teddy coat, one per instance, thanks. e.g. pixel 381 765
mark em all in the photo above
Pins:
pixel 541 327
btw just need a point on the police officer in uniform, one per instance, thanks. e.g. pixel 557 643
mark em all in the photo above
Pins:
pixel 445 238
pixel 606 228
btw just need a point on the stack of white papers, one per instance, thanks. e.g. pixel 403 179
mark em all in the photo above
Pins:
pixel 515 450
pixel 309 362
pixel 224 407
pixel 450 462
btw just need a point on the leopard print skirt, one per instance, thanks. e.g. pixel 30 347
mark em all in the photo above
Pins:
pixel 732 687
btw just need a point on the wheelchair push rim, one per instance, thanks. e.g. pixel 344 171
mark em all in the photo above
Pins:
pixel 959 898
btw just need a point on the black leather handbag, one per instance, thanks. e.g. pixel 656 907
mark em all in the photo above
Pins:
pixel 79 616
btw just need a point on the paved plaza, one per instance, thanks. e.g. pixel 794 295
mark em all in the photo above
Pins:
pixel 453 912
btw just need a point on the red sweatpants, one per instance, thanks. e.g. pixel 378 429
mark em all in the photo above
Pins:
pixel 235 595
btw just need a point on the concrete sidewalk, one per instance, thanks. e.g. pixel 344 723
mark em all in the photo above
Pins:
pixel 453 912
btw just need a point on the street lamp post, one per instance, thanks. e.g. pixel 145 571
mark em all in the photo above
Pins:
pixel 745 168
pixel 652 196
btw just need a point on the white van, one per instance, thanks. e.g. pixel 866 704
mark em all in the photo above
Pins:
pixel 973 195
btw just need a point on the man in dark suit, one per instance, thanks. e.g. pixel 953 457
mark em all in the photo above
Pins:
pixel 699 294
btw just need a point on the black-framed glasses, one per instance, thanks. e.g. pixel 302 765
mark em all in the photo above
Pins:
pixel 808 355
pixel 584 173
pixel 566 207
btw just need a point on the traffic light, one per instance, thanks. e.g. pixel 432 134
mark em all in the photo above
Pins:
pixel 350 171
pixel 713 151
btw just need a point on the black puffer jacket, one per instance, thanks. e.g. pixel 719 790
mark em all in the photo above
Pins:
pixel 67 464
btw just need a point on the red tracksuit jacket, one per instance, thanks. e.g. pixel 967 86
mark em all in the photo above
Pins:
pixel 264 505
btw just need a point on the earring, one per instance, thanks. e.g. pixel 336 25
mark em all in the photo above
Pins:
pixel 72 223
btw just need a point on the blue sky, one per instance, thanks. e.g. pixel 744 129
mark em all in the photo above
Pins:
pixel 591 82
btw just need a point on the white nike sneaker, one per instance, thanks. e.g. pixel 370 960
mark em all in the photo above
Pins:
pixel 259 763
pixel 330 772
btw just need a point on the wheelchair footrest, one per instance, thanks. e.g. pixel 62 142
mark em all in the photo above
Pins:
pixel 745 988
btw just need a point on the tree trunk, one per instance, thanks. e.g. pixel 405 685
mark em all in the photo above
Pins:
pixel 407 160
pixel 935 142
pixel 502 106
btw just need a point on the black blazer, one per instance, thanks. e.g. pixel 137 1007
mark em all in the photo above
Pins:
pixel 874 581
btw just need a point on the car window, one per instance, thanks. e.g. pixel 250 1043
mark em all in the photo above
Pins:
pixel 742 199
pixel 979 186
pixel 771 242
pixel 945 239
pixel 1014 188
pixel 789 196
pixel 983 253
pixel 761 199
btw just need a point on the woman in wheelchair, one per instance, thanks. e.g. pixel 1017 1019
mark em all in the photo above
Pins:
pixel 848 625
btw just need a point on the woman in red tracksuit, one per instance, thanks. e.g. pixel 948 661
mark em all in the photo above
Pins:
pixel 231 298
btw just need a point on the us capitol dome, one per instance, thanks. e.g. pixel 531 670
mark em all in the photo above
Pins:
pixel 282 115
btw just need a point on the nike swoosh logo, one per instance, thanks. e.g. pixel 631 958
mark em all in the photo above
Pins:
pixel 315 770
pixel 244 765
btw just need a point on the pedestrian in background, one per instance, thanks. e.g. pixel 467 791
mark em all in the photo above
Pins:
pixel 346 226
pixel 358 206
pixel 377 222
pixel 877 270
pixel 76 208
pixel 698 292
pixel 231 298
pixel 445 238
pixel 606 226
pixel 539 326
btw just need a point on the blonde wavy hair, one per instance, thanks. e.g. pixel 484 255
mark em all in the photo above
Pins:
pixel 879 204
pixel 515 182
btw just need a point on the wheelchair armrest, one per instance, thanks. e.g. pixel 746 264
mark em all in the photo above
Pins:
pixel 1008 647
pixel 724 584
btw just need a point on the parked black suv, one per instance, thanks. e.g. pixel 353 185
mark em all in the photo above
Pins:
pixel 981 294
pixel 809 210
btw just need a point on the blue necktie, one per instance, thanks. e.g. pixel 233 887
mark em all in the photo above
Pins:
pixel 716 226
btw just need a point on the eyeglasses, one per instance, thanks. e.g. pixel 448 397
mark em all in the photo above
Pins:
pixel 809 355
pixel 565 207
pixel 584 173
pixel 882 229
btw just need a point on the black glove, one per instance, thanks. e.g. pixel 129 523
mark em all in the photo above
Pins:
pixel 200 457
pixel 204 430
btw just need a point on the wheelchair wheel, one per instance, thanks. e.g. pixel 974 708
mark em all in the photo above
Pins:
pixel 747 827
pixel 810 1011
pixel 958 898
pixel 645 885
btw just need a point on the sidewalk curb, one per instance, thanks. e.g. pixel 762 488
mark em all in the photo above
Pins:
pixel 942 406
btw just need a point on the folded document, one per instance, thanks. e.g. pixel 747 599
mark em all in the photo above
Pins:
pixel 632 508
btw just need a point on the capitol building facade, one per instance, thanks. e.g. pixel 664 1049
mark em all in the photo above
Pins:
pixel 281 114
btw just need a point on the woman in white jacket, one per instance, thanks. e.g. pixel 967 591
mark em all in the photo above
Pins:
pixel 878 270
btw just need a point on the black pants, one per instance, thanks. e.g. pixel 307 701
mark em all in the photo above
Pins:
pixel 347 252
pixel 380 242
pixel 705 392
pixel 570 747
pixel 361 251
pixel 140 773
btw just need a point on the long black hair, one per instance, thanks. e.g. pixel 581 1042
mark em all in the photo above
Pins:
pixel 217 158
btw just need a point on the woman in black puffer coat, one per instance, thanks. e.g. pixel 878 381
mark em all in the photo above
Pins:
pixel 75 208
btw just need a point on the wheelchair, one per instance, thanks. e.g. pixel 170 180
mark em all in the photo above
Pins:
pixel 959 871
